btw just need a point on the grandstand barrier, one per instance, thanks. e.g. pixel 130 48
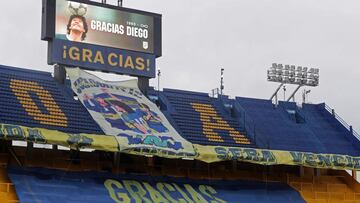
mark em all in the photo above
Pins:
pixel 207 154
pixel 250 126
pixel 343 122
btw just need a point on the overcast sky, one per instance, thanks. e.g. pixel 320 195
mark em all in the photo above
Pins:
pixel 243 36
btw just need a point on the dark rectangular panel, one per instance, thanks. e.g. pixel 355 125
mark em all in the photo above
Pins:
pixel 93 57
pixel 48 19
pixel 103 24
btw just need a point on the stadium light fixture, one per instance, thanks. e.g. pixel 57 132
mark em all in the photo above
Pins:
pixel 290 74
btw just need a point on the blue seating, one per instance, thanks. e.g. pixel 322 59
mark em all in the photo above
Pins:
pixel 288 127
pixel 200 120
pixel 28 96
pixel 52 186
pixel 33 98
pixel 334 136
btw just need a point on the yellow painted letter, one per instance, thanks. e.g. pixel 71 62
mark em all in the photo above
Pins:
pixel 139 194
pixel 86 55
pixel 161 187
pixel 99 57
pixel 212 121
pixel 154 194
pixel 110 61
pixel 198 198
pixel 210 192
pixel 129 63
pixel 74 53
pixel 22 90
pixel 140 63
pixel 117 197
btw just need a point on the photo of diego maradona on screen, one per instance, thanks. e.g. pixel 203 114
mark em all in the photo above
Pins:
pixel 76 28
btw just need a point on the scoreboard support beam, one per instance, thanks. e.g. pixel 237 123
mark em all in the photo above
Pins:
pixel 59 74
pixel 143 84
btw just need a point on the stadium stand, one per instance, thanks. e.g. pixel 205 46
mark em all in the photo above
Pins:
pixel 326 186
pixel 200 119
pixel 330 186
pixel 32 98
pixel 7 189
pixel 57 186
pixel 329 130
pixel 288 127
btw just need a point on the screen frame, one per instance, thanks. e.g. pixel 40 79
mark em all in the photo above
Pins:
pixel 49 15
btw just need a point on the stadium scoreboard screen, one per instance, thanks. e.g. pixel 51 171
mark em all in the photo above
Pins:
pixel 101 37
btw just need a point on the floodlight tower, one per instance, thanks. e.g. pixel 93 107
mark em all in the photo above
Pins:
pixel 273 75
pixel 301 76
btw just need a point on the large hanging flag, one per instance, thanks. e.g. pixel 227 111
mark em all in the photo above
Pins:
pixel 121 110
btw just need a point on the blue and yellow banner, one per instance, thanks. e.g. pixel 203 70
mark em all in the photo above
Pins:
pixel 121 110
pixel 212 154
pixel 207 154
pixel 45 136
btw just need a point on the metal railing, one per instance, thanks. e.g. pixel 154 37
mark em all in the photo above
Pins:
pixel 356 134
pixel 250 126
pixel 343 123
pixel 328 108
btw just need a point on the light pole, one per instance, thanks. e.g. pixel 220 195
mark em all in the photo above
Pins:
pixel 120 3
pixel 158 92
pixel 222 81
pixel 284 88
pixel 305 93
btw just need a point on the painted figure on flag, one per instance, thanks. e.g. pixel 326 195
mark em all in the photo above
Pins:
pixel 122 110
pixel 125 113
